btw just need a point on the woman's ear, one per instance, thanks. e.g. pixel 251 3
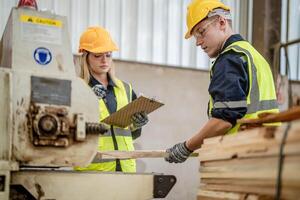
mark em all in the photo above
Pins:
pixel 86 56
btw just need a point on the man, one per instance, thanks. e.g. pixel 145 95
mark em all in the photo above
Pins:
pixel 241 82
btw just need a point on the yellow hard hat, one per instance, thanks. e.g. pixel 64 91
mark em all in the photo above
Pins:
pixel 198 10
pixel 96 40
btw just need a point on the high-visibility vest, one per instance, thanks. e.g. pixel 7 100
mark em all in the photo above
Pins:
pixel 261 96
pixel 123 137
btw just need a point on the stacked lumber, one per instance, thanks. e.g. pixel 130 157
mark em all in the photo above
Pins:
pixel 245 165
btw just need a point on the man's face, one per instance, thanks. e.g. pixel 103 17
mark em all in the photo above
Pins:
pixel 209 35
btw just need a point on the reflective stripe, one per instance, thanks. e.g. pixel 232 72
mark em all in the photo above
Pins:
pixel 255 105
pixel 128 91
pixel 122 132
pixel 230 104
pixel 118 132
pixel 262 105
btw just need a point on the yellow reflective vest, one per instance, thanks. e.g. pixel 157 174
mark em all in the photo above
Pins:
pixel 122 136
pixel 261 96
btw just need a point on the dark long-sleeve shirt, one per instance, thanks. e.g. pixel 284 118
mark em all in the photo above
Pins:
pixel 229 82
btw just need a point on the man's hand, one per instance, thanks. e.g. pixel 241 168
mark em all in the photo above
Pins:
pixel 139 119
pixel 178 153
pixel 100 91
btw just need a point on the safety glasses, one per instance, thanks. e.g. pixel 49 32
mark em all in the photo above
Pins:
pixel 200 32
pixel 102 55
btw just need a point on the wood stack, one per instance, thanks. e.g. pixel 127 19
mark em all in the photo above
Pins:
pixel 245 165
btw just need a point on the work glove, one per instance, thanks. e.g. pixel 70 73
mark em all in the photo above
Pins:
pixel 178 153
pixel 139 119
pixel 100 91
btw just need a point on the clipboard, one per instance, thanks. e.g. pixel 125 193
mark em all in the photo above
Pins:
pixel 122 118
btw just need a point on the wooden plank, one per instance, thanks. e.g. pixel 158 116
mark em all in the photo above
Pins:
pixel 217 195
pixel 290 149
pixel 131 154
pixel 247 163
pixel 249 182
pixel 259 134
pixel 258 143
pixel 268 148
pixel 286 193
pixel 134 154
pixel 205 194
pixel 285 116
pixel 254 168
pixel 244 162
pixel 275 140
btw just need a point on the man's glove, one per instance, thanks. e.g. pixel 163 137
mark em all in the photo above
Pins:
pixel 178 153
pixel 100 91
pixel 139 119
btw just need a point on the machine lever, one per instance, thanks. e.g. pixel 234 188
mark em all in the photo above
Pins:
pixel 96 128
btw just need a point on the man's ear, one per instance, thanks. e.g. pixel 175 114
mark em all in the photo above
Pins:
pixel 222 23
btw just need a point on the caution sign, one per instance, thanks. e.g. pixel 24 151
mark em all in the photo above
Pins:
pixel 40 29
pixel 40 21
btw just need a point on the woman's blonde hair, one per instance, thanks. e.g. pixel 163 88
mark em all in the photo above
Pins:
pixel 85 73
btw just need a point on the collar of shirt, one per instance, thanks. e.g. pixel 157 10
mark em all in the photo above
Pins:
pixel 232 39
pixel 94 82
pixel 229 41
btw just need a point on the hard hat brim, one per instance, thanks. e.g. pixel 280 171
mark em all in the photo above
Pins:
pixel 99 50
pixel 103 50
pixel 187 35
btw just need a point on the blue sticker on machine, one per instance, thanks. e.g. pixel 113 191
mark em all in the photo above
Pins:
pixel 42 56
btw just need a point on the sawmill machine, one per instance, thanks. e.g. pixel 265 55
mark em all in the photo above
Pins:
pixel 49 120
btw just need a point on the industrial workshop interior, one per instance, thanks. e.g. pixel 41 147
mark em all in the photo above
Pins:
pixel 149 99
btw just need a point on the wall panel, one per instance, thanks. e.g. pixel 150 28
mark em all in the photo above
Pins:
pixel 149 31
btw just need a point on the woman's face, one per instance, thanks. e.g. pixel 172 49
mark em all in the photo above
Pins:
pixel 99 63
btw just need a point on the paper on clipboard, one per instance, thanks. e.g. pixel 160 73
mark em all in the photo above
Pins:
pixel 121 118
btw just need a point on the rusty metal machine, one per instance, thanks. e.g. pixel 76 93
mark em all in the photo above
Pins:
pixel 49 120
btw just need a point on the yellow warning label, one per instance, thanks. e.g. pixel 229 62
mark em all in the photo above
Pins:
pixel 40 20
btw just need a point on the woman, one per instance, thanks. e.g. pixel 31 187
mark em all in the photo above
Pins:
pixel 96 46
